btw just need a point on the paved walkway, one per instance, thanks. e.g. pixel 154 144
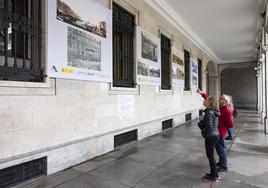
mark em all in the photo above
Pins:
pixel 173 159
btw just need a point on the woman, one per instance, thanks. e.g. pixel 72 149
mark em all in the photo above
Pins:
pixel 229 100
pixel 209 130
pixel 225 121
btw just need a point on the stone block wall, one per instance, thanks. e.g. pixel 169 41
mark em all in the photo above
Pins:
pixel 71 121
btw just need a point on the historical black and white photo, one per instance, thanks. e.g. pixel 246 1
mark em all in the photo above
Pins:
pixel 194 71
pixel 194 81
pixel 154 72
pixel 177 68
pixel 143 69
pixel 79 15
pixel 194 68
pixel 84 50
pixel 149 48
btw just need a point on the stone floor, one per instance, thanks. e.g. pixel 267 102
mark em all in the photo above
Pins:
pixel 176 158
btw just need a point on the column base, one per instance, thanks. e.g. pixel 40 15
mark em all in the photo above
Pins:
pixel 262 117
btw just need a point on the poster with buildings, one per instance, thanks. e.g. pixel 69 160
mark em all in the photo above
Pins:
pixel 194 64
pixel 148 58
pixel 177 68
pixel 79 40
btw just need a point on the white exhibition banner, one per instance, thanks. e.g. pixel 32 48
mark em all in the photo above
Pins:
pixel 148 58
pixel 125 106
pixel 79 40
pixel 178 76
pixel 194 64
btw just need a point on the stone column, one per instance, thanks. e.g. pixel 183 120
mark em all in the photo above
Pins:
pixel 263 93
pixel 214 86
pixel 204 76
pixel 259 85
pixel 266 89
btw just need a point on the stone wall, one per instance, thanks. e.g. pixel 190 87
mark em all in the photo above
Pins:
pixel 241 83
pixel 71 121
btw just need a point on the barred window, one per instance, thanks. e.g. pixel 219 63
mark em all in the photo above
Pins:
pixel 165 62
pixel 187 69
pixel 20 46
pixel 200 74
pixel 123 47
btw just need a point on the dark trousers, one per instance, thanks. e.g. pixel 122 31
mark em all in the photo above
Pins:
pixel 210 143
pixel 220 148
pixel 230 131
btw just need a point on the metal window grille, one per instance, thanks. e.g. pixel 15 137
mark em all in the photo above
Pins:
pixel 20 40
pixel 187 70
pixel 200 74
pixel 123 47
pixel 165 62
pixel 23 172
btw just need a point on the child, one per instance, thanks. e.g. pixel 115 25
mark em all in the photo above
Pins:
pixel 203 94
pixel 209 130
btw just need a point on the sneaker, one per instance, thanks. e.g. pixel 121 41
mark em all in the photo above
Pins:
pixel 210 179
pixel 220 169
pixel 229 138
pixel 207 175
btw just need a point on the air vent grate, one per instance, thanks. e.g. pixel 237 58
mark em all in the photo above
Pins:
pixel 167 124
pixel 22 172
pixel 188 117
pixel 125 138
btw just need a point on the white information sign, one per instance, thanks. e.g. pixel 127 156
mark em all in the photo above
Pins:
pixel 125 106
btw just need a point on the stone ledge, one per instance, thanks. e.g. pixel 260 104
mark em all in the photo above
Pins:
pixel 28 88
pixel 123 90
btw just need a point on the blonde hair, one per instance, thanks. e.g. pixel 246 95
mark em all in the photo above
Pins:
pixel 212 102
pixel 229 101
